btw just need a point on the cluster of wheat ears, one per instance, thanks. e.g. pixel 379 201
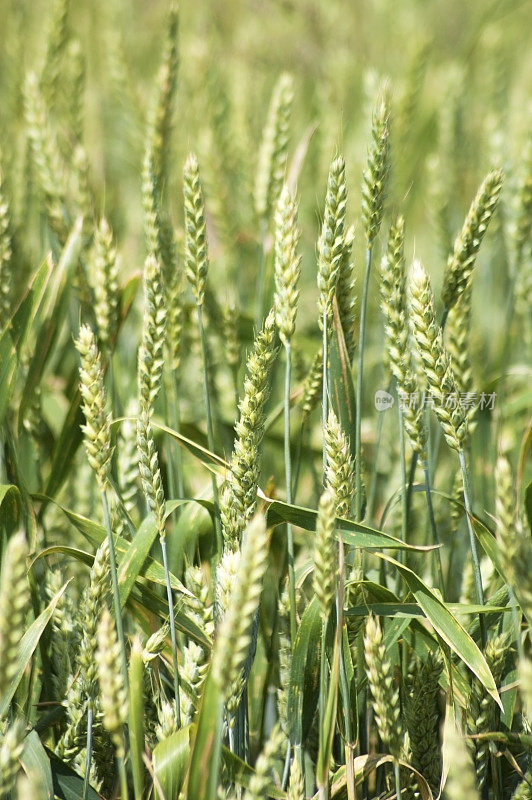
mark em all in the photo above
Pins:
pixel 323 599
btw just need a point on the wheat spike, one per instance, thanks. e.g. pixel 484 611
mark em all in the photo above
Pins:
pixel 376 173
pixel 435 359
pixel 462 260
pixel 331 240
pixel 14 601
pixel 287 265
pixel 271 166
pixel 196 258
pixel 381 683
pixel 97 428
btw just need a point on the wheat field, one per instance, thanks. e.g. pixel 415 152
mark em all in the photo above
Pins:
pixel 265 400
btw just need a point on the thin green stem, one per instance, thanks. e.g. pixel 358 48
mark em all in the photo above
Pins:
pixel 433 528
pixel 372 494
pixel 324 396
pixel 323 673
pixel 402 459
pixel 88 755
pixel 516 623
pixel 261 277
pixel 397 777
pixel 177 426
pixel 173 636
pixel 210 432
pixel 288 479
pixel 360 381
pixel 123 778
pixel 114 585
pixel 473 543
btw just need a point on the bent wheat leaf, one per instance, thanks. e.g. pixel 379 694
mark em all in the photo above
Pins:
pixel 27 646
pixel 448 627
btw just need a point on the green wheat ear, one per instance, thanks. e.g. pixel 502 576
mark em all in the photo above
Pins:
pixel 394 308
pixel 6 275
pixel 374 182
pixel 273 151
pixel 381 683
pixel 97 428
pixel 462 260
pixel 14 601
pixel 435 359
pixel 196 258
pixel 331 245
pixel 287 265
pixel 234 634
pixel 325 552
pixel 106 289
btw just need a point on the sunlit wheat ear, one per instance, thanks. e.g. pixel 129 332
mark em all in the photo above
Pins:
pixel 271 166
pixel 192 673
pixel 435 359
pixel 150 472
pixel 345 292
pixel 381 684
pixel 97 428
pixel 113 694
pixel 239 500
pixel 6 275
pixel 201 606
pixel 11 749
pixel 331 241
pixel 127 461
pixel 175 318
pixel 394 308
pixel 14 602
pixel 462 260
pixel 105 280
pixel 339 473
pixel 234 634
pixel 151 351
pixel 461 779
pixel 161 116
pixel 287 265
pixel 374 181
pixel 458 336
pixel 312 386
pixel 97 597
pixel 296 787
pixel 325 553
pixel 196 258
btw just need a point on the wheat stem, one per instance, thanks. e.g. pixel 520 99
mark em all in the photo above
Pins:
pixel 324 390
pixel 360 376
pixel 173 636
pixel 210 430
pixel 88 758
pixel 473 543
pixel 114 585
pixel 432 523
pixel 288 480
